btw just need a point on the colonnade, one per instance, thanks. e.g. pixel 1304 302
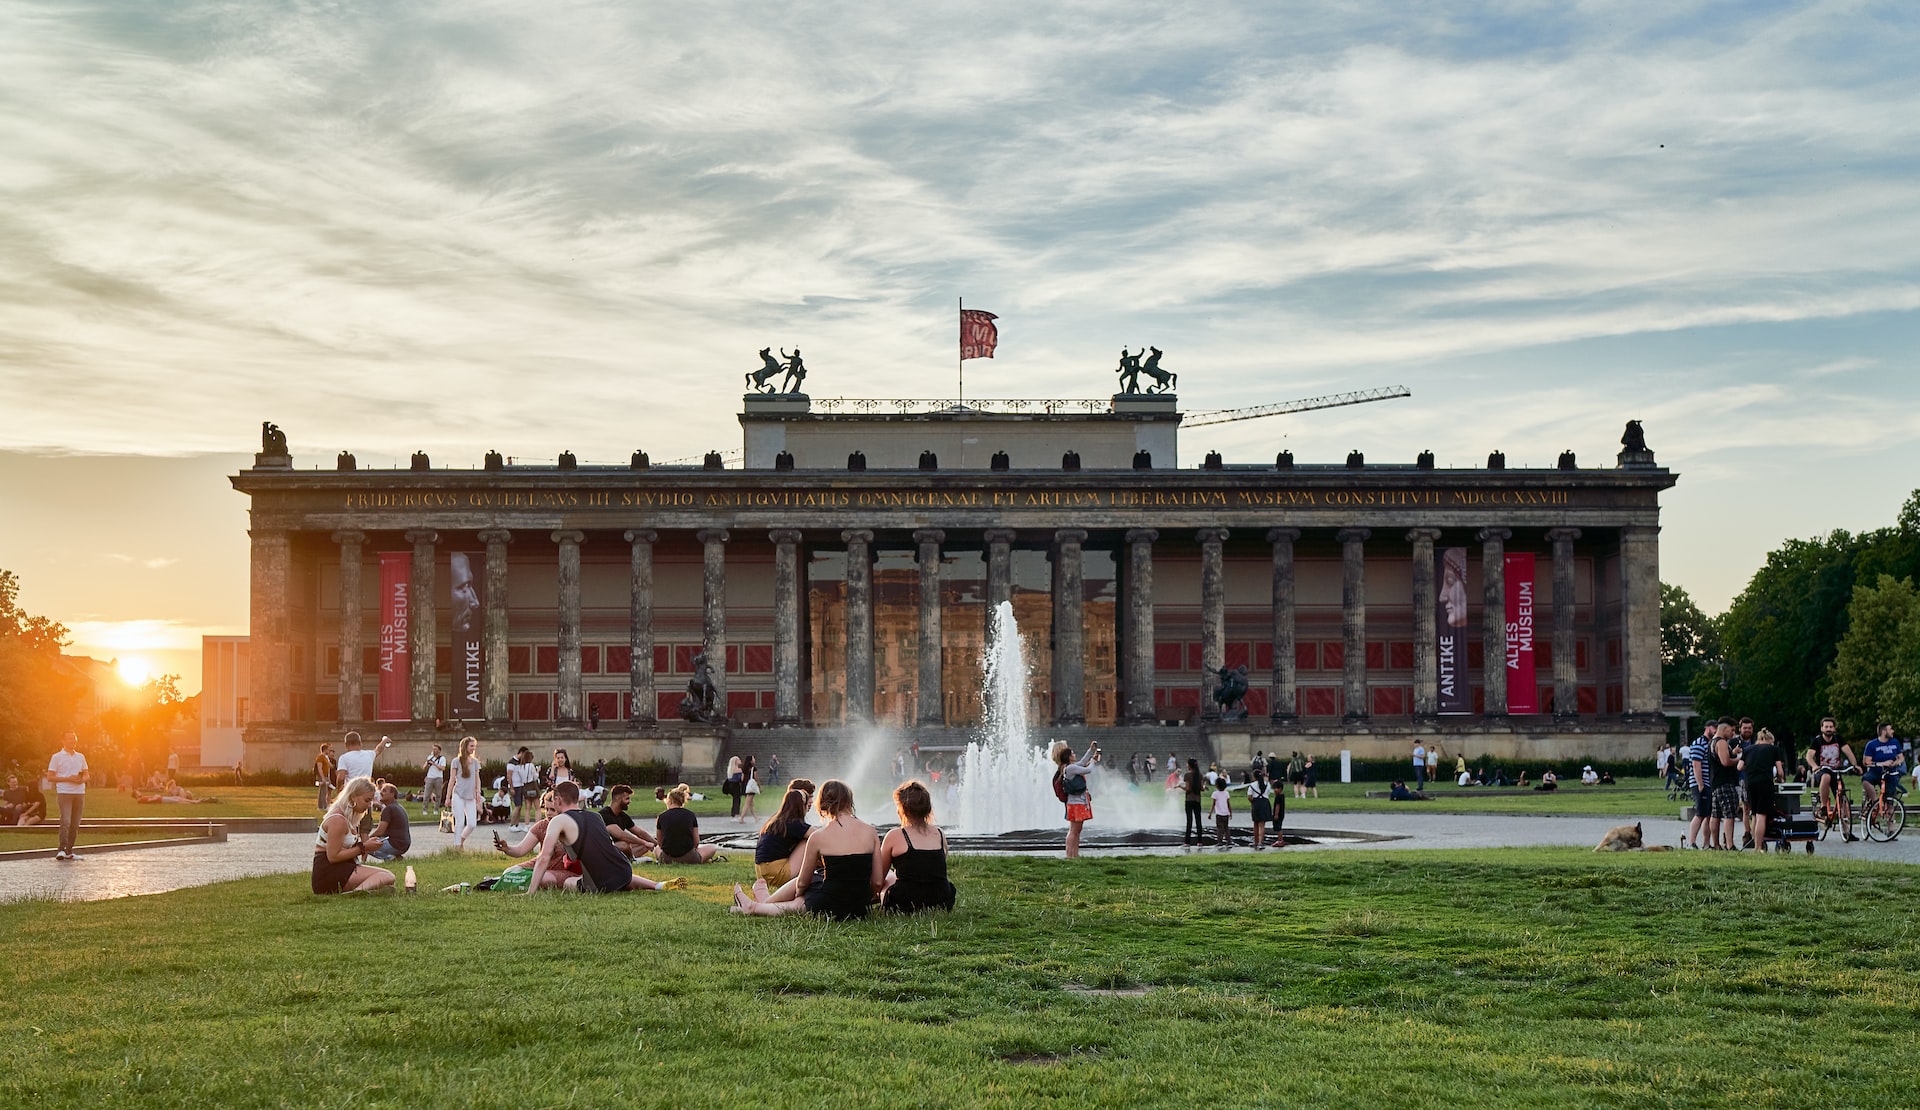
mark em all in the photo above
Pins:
pixel 1639 625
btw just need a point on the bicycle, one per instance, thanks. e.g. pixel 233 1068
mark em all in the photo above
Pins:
pixel 1885 815
pixel 1842 811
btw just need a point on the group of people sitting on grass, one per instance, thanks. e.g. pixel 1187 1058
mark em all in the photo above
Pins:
pixel 838 869
pixel 22 804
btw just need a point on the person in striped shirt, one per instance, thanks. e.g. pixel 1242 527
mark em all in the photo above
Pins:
pixel 1697 755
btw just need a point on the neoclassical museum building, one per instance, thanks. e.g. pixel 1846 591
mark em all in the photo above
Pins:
pixel 840 573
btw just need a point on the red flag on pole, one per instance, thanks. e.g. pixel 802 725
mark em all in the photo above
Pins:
pixel 978 336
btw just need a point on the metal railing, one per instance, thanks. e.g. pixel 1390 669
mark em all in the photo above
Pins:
pixel 912 405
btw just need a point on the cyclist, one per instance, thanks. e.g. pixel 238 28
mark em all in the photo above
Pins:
pixel 1828 759
pixel 1885 762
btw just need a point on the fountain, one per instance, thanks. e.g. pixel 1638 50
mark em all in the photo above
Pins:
pixel 1005 777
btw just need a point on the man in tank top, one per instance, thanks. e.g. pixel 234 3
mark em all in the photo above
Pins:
pixel 605 868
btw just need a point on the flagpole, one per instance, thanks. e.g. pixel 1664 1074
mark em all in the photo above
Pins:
pixel 961 362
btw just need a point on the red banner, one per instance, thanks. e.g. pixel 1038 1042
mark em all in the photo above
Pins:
pixel 396 677
pixel 978 335
pixel 1523 691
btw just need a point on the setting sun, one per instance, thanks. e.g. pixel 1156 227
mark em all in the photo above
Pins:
pixel 134 672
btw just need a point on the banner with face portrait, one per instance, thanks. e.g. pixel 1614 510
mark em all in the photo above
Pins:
pixel 464 701
pixel 1450 627
pixel 1523 691
pixel 395 702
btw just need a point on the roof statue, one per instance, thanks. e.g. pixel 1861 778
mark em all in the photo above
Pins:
pixel 273 441
pixel 795 369
pixel 1131 367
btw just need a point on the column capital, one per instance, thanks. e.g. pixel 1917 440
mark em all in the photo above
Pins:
pixel 1211 535
pixel 495 535
pixel 1563 535
pixel 1353 535
pixel 1137 536
pixel 778 535
pixel 640 535
pixel 711 535
pixel 422 535
pixel 1070 535
pixel 1418 535
pixel 929 535
pixel 1282 535
pixel 857 535
pixel 349 535
pixel 1494 535
pixel 569 535
pixel 997 535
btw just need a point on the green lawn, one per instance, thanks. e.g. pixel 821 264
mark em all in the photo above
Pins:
pixel 1631 798
pixel 1525 977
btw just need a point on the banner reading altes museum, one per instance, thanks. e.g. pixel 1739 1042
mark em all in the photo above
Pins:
pixel 1523 691
pixel 395 697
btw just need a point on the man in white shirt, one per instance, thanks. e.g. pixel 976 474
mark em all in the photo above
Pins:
pixel 356 761
pixel 436 768
pixel 1419 767
pixel 67 771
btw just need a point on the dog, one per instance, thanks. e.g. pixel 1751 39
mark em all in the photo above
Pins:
pixel 446 820
pixel 1621 838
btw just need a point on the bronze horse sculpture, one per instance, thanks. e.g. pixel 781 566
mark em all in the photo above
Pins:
pixel 770 368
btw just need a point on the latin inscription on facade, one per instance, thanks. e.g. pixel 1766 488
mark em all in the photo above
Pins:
pixel 949 499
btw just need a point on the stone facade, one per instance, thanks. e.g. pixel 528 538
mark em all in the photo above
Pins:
pixel 825 596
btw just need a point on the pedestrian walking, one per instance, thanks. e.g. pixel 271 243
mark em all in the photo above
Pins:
pixel 68 773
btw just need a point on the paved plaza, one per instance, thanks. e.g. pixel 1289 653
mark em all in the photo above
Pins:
pixel 154 870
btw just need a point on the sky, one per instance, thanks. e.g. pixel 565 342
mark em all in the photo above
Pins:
pixel 570 225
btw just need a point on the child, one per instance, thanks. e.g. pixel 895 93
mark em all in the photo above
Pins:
pixel 1260 802
pixel 1222 812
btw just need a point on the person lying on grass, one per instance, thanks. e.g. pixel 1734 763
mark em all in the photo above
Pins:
pixel 842 850
pixel 583 836
pixel 172 794
pixel 677 831
pixel 338 855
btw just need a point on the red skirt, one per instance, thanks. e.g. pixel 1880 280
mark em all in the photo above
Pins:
pixel 1077 812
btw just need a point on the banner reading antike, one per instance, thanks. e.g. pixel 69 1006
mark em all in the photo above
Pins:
pixel 396 679
pixel 1523 691
pixel 1451 628
pixel 469 648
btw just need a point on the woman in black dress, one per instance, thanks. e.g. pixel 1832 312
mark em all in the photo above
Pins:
pixel 917 854
pixel 843 849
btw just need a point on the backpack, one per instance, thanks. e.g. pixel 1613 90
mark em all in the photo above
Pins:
pixel 1059 787
pixel 1073 784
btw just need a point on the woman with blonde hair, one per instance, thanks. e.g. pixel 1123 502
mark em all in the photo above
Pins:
pixel 464 790
pixel 1070 783
pixel 843 849
pixel 677 831
pixel 337 854
pixel 919 879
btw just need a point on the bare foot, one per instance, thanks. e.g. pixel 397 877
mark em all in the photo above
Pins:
pixel 739 899
pixel 759 889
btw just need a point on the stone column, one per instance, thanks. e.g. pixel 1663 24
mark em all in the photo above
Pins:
pixel 1213 616
pixel 493 625
pixel 859 625
pixel 1566 701
pixel 1493 618
pixel 713 600
pixel 999 572
pixel 1139 626
pixel 422 635
pixel 1069 629
pixel 350 624
pixel 640 625
pixel 569 709
pixel 786 625
pixel 1426 666
pixel 1285 677
pixel 930 696
pixel 1353 617
pixel 1640 618
pixel 268 626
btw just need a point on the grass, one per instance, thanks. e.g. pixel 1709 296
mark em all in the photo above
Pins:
pixel 1631 798
pixel 1521 977
pixel 292 801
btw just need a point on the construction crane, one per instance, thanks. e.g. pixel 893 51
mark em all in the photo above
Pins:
pixel 1305 404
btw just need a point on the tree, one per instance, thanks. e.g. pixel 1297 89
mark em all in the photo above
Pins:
pixel 1689 642
pixel 37 695
pixel 1876 669
pixel 144 727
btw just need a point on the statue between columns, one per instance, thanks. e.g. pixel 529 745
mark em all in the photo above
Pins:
pixel 1231 694
pixel 698 706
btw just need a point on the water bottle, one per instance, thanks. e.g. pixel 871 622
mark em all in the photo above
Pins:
pixel 413 883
